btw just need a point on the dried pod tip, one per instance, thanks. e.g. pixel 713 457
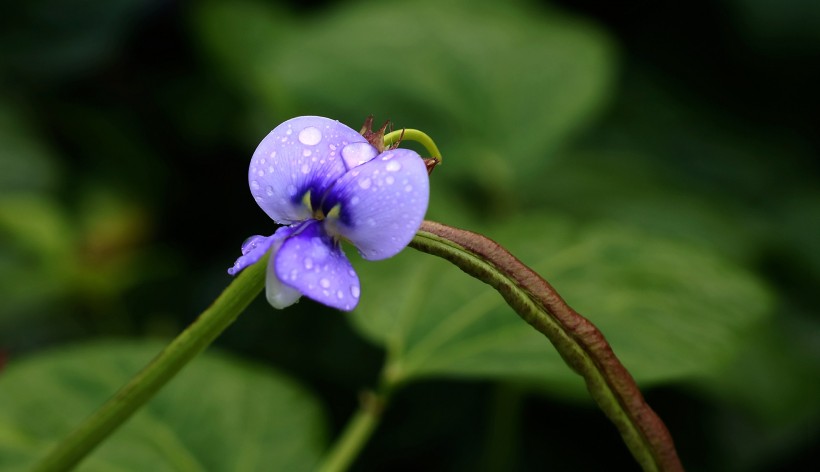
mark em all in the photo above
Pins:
pixel 431 163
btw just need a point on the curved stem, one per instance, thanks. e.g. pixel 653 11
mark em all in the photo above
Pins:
pixel 145 384
pixel 356 433
pixel 410 134
pixel 577 340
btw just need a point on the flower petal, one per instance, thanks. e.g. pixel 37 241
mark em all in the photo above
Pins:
pixel 382 203
pixel 313 263
pixel 256 246
pixel 278 294
pixel 300 155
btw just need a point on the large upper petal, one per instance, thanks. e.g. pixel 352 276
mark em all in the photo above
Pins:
pixel 313 263
pixel 381 203
pixel 300 155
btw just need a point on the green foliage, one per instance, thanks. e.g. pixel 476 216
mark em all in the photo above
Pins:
pixel 218 414
pixel 687 306
pixel 674 207
pixel 521 82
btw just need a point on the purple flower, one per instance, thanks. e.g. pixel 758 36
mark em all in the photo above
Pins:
pixel 326 183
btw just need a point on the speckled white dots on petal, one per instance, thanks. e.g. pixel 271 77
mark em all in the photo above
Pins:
pixel 328 272
pixel 295 158
pixel 370 224
pixel 378 203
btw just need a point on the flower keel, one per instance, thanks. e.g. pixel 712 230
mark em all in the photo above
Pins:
pixel 313 263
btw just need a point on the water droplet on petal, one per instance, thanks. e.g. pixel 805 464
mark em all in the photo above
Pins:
pixel 306 153
pixel 305 168
pixel 393 166
pixel 250 244
pixel 269 190
pixel 254 185
pixel 291 190
pixel 261 173
pixel 310 136
pixel 354 290
pixel 389 180
pixel 365 183
pixel 354 200
pixel 340 294
pixel 308 263
pixel 408 188
pixel 357 154
pixel 325 283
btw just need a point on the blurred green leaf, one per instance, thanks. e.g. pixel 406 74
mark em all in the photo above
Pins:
pixel 25 161
pixel 778 27
pixel 629 186
pixel 497 83
pixel 50 39
pixel 769 397
pixel 218 414
pixel 670 310
pixel 36 254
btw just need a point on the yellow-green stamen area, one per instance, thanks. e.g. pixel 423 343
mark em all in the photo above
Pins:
pixel 317 213
pixel 334 212
pixel 306 201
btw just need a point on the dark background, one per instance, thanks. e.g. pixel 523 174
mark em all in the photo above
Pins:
pixel 120 121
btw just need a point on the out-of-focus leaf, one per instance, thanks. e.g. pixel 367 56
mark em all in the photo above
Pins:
pixel 36 258
pixel 219 414
pixel 670 310
pixel 770 396
pixel 496 83
pixel 25 162
pixel 628 186
pixel 797 226
pixel 49 39
pixel 786 25
pixel 44 257
pixel 684 168
pixel 244 38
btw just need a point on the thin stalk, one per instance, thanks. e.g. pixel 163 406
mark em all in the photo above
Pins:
pixel 577 340
pixel 145 384
pixel 356 433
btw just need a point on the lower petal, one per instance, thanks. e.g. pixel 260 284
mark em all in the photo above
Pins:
pixel 313 263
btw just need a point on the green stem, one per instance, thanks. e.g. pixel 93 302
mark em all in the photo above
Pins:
pixel 577 340
pixel 409 134
pixel 145 384
pixel 356 433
